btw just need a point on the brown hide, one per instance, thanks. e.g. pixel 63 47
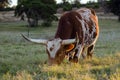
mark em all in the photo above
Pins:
pixel 69 25
pixel 83 21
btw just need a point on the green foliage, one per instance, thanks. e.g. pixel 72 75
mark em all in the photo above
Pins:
pixel 4 3
pixel 37 9
pixel 66 6
pixel 4 67
pixel 92 5
pixel 46 23
pixel 76 4
pixel 114 7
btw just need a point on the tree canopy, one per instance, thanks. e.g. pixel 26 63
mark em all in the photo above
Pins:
pixel 68 4
pixel 114 6
pixel 4 3
pixel 36 9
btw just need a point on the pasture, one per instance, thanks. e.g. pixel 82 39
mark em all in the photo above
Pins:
pixel 21 60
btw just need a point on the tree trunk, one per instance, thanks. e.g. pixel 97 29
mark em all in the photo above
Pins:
pixel 32 22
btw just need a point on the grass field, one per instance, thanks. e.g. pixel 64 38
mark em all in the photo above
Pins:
pixel 21 60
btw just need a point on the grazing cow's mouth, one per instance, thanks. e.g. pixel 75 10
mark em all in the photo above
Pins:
pixel 55 48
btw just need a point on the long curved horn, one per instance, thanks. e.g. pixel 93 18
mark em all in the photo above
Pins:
pixel 38 41
pixel 70 41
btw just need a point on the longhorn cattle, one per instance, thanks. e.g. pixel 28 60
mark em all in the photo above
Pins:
pixel 84 22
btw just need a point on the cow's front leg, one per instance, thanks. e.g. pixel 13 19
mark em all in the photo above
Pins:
pixel 74 58
pixel 77 54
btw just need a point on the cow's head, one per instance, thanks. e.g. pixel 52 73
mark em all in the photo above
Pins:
pixel 56 48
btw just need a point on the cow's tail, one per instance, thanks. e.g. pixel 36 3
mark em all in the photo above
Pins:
pixel 96 20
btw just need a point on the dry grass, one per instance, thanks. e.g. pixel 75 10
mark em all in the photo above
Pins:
pixel 20 60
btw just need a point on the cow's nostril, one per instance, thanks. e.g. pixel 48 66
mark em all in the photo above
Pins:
pixel 51 48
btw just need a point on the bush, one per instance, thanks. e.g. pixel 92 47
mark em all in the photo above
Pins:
pixel 46 24
pixel 92 5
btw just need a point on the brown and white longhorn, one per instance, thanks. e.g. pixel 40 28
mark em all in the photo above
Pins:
pixel 84 22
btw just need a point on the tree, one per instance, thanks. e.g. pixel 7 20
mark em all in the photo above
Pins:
pixel 69 4
pixel 36 10
pixel 76 3
pixel 65 5
pixel 114 6
pixel 4 3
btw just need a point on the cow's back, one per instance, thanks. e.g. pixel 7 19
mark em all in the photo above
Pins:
pixel 83 21
pixel 89 26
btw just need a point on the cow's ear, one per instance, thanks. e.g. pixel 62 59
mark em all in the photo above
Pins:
pixel 69 47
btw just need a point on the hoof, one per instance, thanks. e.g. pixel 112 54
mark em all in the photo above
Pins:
pixel 70 59
pixel 74 60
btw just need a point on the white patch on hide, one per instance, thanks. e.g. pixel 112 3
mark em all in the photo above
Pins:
pixel 83 25
pixel 86 14
pixel 53 46
pixel 80 48
pixel 87 36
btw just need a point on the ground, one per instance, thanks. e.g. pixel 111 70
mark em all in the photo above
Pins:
pixel 21 60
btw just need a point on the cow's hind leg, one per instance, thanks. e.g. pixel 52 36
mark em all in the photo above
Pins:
pixel 84 52
pixel 90 51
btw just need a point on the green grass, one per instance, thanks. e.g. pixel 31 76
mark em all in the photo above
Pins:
pixel 21 60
